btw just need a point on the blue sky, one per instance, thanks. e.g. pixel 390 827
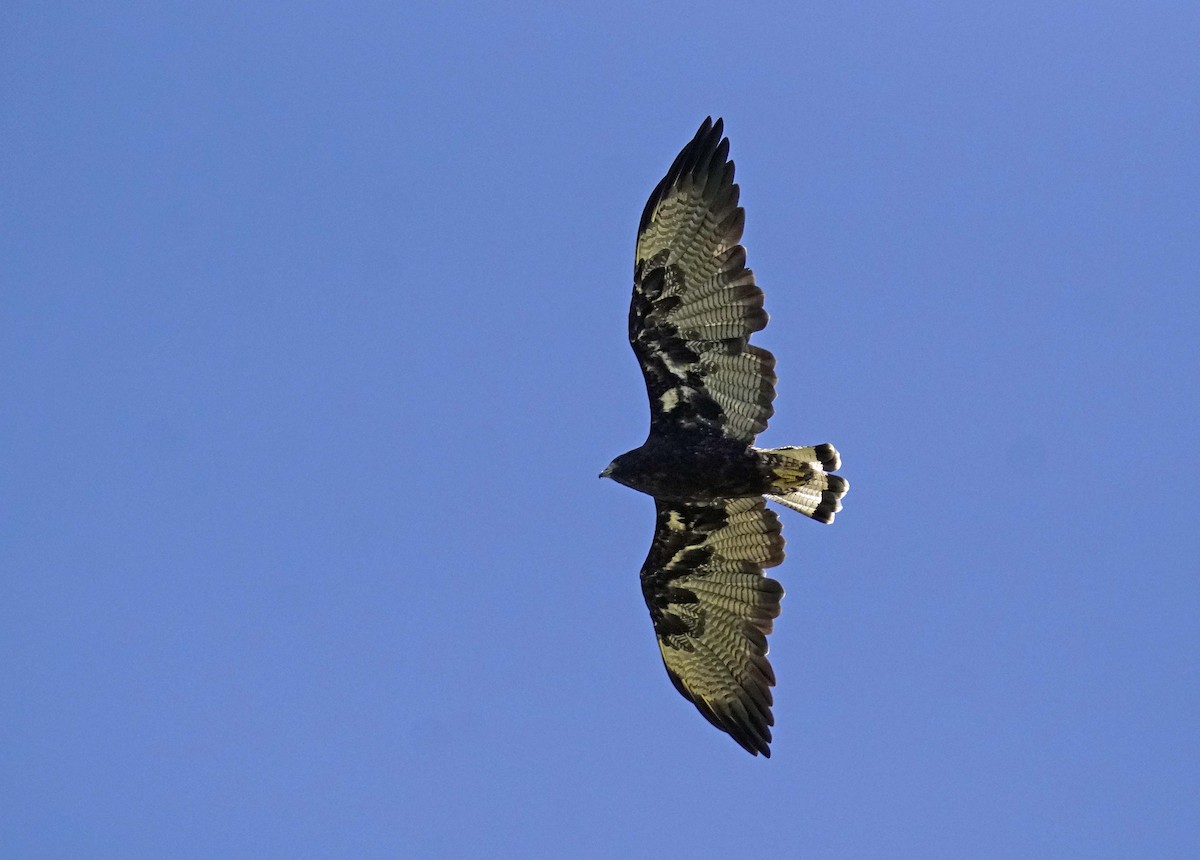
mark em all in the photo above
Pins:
pixel 313 346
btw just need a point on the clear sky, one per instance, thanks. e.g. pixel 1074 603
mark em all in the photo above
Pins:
pixel 313 345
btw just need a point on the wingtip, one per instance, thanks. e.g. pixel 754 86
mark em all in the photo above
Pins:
pixel 696 158
pixel 756 746
pixel 716 125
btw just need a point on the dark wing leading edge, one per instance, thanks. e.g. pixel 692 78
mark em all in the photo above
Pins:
pixel 695 304
pixel 712 609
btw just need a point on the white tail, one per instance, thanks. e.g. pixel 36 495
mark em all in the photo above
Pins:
pixel 800 475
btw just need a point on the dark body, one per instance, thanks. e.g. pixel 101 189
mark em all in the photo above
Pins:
pixel 695 466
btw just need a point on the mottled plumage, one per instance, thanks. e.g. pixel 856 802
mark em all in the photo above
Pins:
pixel 694 307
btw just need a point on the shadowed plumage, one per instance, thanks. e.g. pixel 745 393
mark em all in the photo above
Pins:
pixel 694 307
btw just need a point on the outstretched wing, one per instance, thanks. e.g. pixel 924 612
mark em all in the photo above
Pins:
pixel 712 609
pixel 695 304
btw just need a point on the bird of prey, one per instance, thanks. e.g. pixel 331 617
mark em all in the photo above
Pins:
pixel 695 305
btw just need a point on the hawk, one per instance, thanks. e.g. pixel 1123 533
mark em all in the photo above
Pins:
pixel 695 305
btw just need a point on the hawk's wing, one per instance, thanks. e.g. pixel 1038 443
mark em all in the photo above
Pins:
pixel 712 609
pixel 695 304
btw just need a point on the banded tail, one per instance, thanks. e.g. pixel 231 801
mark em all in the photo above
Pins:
pixel 800 479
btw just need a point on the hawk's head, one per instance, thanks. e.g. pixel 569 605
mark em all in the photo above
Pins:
pixel 626 468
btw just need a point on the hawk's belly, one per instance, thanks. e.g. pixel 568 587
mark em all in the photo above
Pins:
pixel 687 474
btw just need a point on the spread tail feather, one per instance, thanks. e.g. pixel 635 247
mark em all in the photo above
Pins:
pixel 800 479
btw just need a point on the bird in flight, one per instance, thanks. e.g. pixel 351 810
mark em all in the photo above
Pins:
pixel 695 305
